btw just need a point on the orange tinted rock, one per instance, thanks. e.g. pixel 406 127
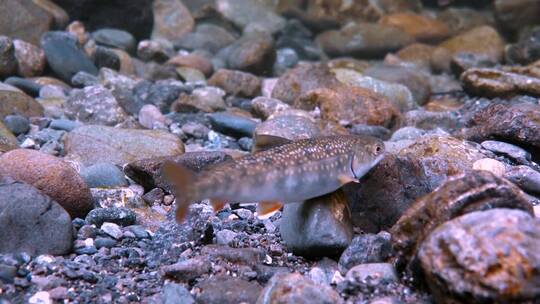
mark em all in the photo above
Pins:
pixel 417 53
pixel 236 82
pixel 193 61
pixel 420 27
pixel 50 175
pixel 351 105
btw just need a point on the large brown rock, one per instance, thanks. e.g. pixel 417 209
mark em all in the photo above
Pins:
pixel 484 257
pixel 351 105
pixel 474 191
pixel 92 144
pixel 496 83
pixel 50 175
pixel 23 19
pixel 301 79
pixel 15 101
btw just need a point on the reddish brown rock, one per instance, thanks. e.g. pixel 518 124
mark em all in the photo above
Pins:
pixel 515 123
pixel 236 82
pixel 351 105
pixel 484 257
pixel 301 79
pixel 253 53
pixel 496 83
pixel 23 19
pixel 14 101
pixel 420 27
pixel 474 191
pixel 30 59
pixel 417 53
pixel 192 61
pixel 50 175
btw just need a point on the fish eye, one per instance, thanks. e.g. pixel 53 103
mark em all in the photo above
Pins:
pixel 378 149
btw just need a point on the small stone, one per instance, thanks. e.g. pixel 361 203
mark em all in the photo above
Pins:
pixel 59 293
pixel 491 165
pixel 206 36
pixel 120 216
pixel 64 124
pixel 51 175
pixel 459 256
pixel 102 242
pixel 94 105
pixel 151 117
pixel 363 40
pixel 525 177
pixel 14 101
pixel 8 63
pixel 233 125
pixel 372 272
pixel 253 53
pixel 64 56
pixel 207 99
pixel 112 229
pixel 367 248
pixel 514 152
pixel 422 28
pixel 138 231
pixel 225 237
pixel 172 20
pixel 194 61
pixel 115 38
pixel 375 131
pixel 17 124
pixel 292 288
pixel 103 175
pixel 249 14
pixel 227 290
pixel 154 196
pixel 30 59
pixel 175 293
pixel 264 107
pixel 410 133
pixel 152 50
pixel 236 83
pixel 246 256
pixel 40 297
pixel 318 227
pixel 187 270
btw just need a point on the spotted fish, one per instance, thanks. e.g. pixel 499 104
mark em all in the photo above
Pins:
pixel 291 172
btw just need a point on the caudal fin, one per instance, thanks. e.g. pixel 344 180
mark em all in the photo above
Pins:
pixel 181 178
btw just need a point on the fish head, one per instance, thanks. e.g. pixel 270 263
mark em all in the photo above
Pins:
pixel 366 153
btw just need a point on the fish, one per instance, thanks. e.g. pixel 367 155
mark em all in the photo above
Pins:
pixel 294 171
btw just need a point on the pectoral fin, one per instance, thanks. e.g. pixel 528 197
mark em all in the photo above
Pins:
pixel 267 209
pixel 217 204
pixel 345 179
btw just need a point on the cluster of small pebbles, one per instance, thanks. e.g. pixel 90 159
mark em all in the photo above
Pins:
pixel 96 95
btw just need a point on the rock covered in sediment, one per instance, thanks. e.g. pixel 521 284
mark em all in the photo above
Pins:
pixel 51 175
pixel 295 288
pixel 484 256
pixel 90 144
pixel 31 221
pixel 475 191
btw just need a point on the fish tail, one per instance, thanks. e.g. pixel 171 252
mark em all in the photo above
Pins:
pixel 182 180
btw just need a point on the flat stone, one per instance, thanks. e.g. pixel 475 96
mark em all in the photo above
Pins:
pixel 233 125
pixel 115 38
pixel 490 82
pixel 51 175
pixel 459 256
pixel 103 175
pixel 42 225
pixel 254 53
pixel 374 272
pixel 119 216
pixel 525 178
pixel 223 289
pixel 289 288
pixel 187 270
pixel 318 227
pixel 8 64
pixel 93 144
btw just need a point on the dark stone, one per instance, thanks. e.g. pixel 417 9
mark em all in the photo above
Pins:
pixel 525 177
pixel 514 152
pixel 484 257
pixel 65 56
pixel 83 79
pixel 253 53
pixel 115 38
pixel 17 124
pixel 233 125
pixel 119 216
pixel 474 191
pixel 106 58
pixel 7 274
pixel 31 222
pixel 134 16
pixel 366 248
pixel 64 124
pixel 318 227
pixel 104 242
pixel 147 172
pixel 28 86
pixel 175 293
pixel 8 62
pixel 103 175
pixel 208 37
pixel 222 289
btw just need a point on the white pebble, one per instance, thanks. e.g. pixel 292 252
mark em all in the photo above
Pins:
pixel 491 165
pixel 40 297
pixel 112 229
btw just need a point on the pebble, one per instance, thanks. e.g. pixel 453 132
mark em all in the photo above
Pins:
pixel 151 117
pixel 64 124
pixel 40 297
pixel 176 293
pixel 366 248
pixel 525 177
pixel 17 124
pixel 225 237
pixel 103 175
pixel 121 216
pixel 112 229
pixel 491 165
pixel 378 272
pixel 293 287
pixel 233 125
pixel 115 38
pixel 104 242
pixel 514 152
